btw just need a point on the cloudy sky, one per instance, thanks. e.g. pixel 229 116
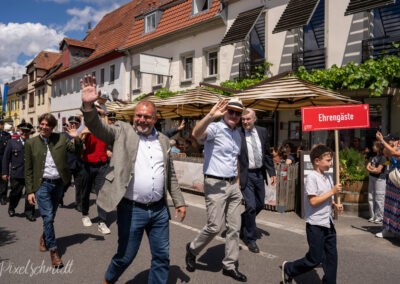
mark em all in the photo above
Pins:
pixel 30 26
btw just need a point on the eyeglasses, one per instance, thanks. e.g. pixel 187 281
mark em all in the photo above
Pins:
pixel 232 112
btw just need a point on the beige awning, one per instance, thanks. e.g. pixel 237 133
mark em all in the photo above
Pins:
pixel 288 93
pixel 191 103
pixel 281 92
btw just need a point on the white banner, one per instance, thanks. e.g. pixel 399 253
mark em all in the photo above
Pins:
pixel 154 64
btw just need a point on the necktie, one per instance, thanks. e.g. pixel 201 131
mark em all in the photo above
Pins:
pixel 256 152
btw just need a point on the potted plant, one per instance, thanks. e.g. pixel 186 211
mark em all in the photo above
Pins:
pixel 354 177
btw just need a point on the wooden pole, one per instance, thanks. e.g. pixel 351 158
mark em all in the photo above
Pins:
pixel 337 173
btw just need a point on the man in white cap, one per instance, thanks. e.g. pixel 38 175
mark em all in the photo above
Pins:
pixel 222 144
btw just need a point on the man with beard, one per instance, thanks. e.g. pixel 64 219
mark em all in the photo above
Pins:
pixel 136 183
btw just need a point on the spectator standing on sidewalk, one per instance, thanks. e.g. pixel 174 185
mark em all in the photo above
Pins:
pixel 46 174
pixel 221 185
pixel 255 162
pixel 321 233
pixel 391 208
pixel 13 169
pixel 136 183
pixel 376 183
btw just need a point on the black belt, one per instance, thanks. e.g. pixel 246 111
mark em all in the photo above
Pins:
pixel 53 181
pixel 229 179
pixel 254 170
pixel 143 205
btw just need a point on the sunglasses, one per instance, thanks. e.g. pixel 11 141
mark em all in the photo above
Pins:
pixel 232 112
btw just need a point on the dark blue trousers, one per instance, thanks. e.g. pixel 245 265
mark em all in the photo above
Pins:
pixel 322 249
pixel 254 196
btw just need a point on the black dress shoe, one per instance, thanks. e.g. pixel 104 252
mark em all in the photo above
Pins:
pixel 235 274
pixel 252 246
pixel 31 218
pixel 190 259
pixel 11 212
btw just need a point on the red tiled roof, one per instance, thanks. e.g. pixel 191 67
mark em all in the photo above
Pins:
pixel 173 19
pixel 124 27
pixel 18 85
pixel 78 43
pixel 45 60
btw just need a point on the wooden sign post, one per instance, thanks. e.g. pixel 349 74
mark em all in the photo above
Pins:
pixel 335 118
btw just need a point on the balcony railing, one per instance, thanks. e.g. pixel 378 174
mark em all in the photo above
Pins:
pixel 378 47
pixel 310 59
pixel 250 68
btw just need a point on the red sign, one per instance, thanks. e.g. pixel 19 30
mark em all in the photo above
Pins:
pixel 335 117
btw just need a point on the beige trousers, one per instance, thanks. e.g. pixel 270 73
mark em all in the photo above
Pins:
pixel 223 201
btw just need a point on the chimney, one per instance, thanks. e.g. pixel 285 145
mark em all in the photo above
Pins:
pixel 89 28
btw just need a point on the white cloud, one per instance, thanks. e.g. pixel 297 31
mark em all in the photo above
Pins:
pixel 26 40
pixel 23 40
pixel 80 17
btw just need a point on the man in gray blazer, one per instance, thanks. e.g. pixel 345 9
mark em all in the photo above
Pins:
pixel 136 183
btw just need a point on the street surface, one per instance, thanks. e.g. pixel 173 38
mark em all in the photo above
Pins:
pixel 86 253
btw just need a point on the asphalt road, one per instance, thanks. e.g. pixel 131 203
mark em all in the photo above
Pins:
pixel 363 258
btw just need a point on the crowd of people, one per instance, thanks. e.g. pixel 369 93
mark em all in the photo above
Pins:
pixel 128 168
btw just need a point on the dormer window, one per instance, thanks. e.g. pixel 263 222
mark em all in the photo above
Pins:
pixel 151 21
pixel 200 6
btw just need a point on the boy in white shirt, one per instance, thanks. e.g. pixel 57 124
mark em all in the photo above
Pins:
pixel 321 234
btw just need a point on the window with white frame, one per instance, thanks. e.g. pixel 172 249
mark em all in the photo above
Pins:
pixel 200 6
pixel 43 95
pixel 138 78
pixel 159 79
pixel 187 68
pixel 212 63
pixel 38 97
pixel 112 73
pixel 102 76
pixel 150 22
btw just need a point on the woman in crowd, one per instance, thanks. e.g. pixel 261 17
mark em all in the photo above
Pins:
pixel 376 183
pixel 391 214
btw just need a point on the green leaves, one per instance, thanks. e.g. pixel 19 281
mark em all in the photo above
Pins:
pixel 375 75
pixel 352 165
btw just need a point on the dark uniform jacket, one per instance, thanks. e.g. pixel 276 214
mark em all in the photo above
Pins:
pixel 35 159
pixel 13 160
pixel 4 137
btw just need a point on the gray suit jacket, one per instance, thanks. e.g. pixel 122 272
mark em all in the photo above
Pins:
pixel 125 143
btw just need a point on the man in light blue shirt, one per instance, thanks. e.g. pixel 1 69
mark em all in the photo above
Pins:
pixel 222 144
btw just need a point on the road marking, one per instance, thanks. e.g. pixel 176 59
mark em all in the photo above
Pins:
pixel 265 223
pixel 243 247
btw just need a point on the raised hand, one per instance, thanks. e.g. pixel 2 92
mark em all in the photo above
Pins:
pixel 72 131
pixel 88 89
pixel 219 109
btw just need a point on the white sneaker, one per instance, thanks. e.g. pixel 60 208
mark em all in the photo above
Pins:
pixel 371 220
pixel 378 221
pixel 102 227
pixel 285 278
pixel 86 221
pixel 384 234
